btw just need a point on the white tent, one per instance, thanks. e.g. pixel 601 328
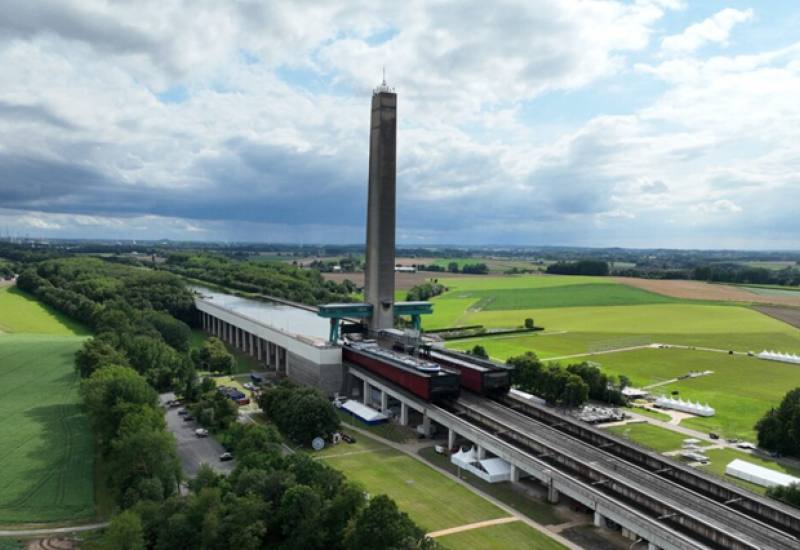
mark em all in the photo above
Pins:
pixel 685 406
pixel 758 475
pixel 362 412
pixel 492 470
pixel 779 356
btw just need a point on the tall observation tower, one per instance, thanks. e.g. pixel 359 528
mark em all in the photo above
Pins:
pixel 379 282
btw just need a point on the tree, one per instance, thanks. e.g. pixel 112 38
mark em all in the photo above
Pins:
pixel 779 429
pixel 214 356
pixel 529 323
pixel 789 494
pixel 452 267
pixel 95 354
pixel 381 526
pixel 480 351
pixel 126 532
pixel 300 513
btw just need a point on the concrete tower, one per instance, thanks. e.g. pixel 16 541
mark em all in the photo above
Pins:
pixel 379 283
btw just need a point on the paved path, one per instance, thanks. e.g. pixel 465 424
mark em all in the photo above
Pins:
pixel 564 526
pixel 54 531
pixel 507 509
pixel 471 526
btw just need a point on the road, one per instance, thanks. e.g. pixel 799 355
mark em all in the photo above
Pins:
pixel 53 531
pixel 194 450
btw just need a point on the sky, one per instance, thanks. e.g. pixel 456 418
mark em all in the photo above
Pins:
pixel 638 123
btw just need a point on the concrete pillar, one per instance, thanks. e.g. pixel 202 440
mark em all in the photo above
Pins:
pixel 451 439
pixel 426 424
pixel 514 474
pixel 259 341
pixel 252 344
pixel 552 494
pixel 286 361
pixel 651 546
pixel 403 414
pixel 599 520
pixel 384 402
pixel 481 453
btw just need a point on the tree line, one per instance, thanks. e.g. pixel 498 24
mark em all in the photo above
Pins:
pixel 306 286
pixel 571 386
pixel 596 268
pixel 138 316
pixel 424 292
pixel 779 431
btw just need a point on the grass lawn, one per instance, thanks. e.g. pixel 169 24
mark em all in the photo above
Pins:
pixel 448 312
pixel 10 544
pixel 651 413
pixel 721 327
pixel 430 499
pixel 20 312
pixel 47 452
pixel 720 458
pixel 653 437
pixel 388 430
pixel 507 536
pixel 586 295
pixel 538 510
pixel 741 390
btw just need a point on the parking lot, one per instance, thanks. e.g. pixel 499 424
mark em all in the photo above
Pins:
pixel 194 450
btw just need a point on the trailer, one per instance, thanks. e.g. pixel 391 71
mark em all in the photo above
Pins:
pixel 425 379
pixel 478 375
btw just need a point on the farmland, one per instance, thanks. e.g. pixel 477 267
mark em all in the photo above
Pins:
pixel 47 457
pixel 19 312
pixel 591 295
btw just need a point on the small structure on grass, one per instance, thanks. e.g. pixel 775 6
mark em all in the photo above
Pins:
pixel 684 406
pixel 368 415
pixel 493 470
pixel 758 474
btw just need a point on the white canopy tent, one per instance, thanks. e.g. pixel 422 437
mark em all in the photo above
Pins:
pixel 492 470
pixel 779 356
pixel 758 474
pixel 362 412
pixel 685 406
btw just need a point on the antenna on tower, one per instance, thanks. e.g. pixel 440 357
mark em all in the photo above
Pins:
pixel 384 75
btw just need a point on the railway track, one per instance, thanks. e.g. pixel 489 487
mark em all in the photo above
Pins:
pixel 688 510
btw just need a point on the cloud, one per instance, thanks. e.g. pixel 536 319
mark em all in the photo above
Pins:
pixel 715 30
pixel 722 206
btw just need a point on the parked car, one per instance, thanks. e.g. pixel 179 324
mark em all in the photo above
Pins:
pixel 202 432
pixel 188 418
pixel 183 412
pixel 746 445
pixel 225 457
pixel 248 386
pixel 348 438
pixel 713 436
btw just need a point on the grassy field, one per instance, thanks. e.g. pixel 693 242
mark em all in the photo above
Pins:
pixel 591 295
pixel 720 458
pixel 427 496
pixel 653 437
pixel 776 265
pixel 20 312
pixel 47 453
pixel 516 535
pixel 518 282
pixel 741 389
pixel 539 510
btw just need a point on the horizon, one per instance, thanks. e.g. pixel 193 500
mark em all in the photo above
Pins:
pixel 634 124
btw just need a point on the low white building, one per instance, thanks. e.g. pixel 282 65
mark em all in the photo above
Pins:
pixel 759 475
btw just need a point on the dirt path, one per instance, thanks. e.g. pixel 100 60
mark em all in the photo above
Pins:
pixel 471 526
pixel 696 290
pixel 56 531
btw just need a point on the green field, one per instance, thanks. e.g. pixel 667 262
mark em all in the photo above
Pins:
pixel 47 453
pixel 512 536
pixel 518 282
pixel 720 458
pixel 20 312
pixel 776 265
pixel 591 295
pixel 659 439
pixel 741 389
pixel 426 495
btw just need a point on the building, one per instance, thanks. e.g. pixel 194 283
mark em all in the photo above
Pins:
pixel 381 208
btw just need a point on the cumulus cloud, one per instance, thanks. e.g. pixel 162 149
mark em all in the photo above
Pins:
pixel 249 120
pixel 716 30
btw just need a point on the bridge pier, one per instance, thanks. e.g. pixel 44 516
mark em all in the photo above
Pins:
pixel 599 520
pixel 403 414
pixel 481 452
pixel 426 423
pixel 514 474
pixel 552 494
pixel 384 402
pixel 451 439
